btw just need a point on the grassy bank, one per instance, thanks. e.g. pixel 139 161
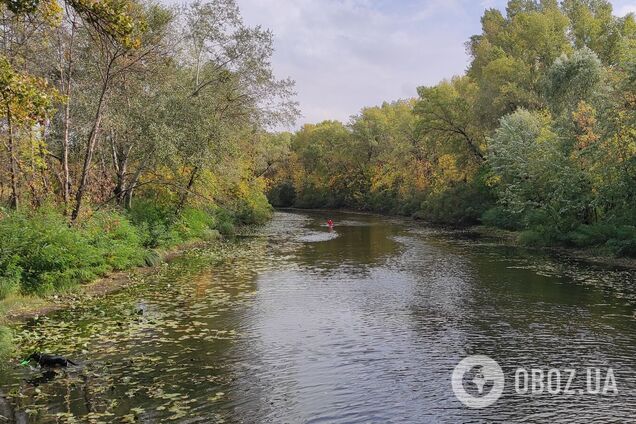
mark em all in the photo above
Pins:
pixel 42 255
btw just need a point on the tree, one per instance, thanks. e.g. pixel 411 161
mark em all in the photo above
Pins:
pixel 447 113
pixel 573 79
pixel 533 173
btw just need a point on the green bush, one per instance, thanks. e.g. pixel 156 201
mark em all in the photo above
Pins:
pixel 311 197
pixel 41 252
pixel 623 247
pixel 45 252
pixel 462 204
pixel 155 223
pixel 282 195
pixel 619 239
pixel 254 211
pixel 116 239
pixel 10 277
pixel 225 222
pixel 194 224
pixel 384 201
pixel 499 217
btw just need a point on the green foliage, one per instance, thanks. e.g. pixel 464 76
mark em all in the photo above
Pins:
pixel 115 238
pixel 194 224
pixel 252 207
pixel 155 223
pixel 282 195
pixel 225 222
pixel 43 253
pixel 573 79
pixel 538 137
pixel 462 204
pixel 620 239
pixel 501 217
pixel 21 6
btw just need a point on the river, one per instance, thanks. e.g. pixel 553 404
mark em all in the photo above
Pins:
pixel 366 323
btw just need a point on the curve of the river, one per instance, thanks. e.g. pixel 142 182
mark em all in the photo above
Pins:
pixel 300 324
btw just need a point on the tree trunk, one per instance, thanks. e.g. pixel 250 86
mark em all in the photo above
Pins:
pixel 120 162
pixel 184 193
pixel 66 178
pixel 90 149
pixel 14 201
pixel 132 184
pixel 66 82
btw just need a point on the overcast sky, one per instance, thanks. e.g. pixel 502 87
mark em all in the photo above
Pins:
pixel 347 54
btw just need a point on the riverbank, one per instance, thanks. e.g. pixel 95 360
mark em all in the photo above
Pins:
pixel 19 308
pixel 592 255
pixel 47 265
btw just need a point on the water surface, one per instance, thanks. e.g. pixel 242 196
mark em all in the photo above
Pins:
pixel 297 324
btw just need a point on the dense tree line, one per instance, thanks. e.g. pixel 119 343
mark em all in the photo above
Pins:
pixel 539 135
pixel 128 126
pixel 102 100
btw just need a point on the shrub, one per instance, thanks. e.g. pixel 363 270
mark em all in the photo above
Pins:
pixel 619 239
pixel 501 218
pixel 155 223
pixel 10 277
pixel 462 204
pixel 311 197
pixel 116 239
pixel 251 206
pixel 194 224
pixel 383 201
pixel 41 252
pixel 45 252
pixel 623 247
pixel 282 195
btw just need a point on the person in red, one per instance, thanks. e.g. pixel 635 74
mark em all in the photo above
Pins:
pixel 330 224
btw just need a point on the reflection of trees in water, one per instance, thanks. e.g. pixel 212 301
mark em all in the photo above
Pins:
pixel 73 395
pixel 6 409
pixel 357 246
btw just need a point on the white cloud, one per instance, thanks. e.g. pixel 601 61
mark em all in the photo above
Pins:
pixel 353 53
pixel 347 54
pixel 628 8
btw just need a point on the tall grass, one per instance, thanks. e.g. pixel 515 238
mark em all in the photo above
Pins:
pixel 41 253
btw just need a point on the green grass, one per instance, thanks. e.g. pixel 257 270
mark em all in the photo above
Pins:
pixel 42 254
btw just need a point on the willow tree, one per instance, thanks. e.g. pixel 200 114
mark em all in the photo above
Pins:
pixel 231 85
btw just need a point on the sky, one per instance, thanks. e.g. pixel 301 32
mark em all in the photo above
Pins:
pixel 348 54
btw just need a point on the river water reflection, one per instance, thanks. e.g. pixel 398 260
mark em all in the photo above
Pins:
pixel 298 324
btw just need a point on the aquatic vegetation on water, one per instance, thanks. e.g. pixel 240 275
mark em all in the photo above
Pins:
pixel 273 328
pixel 134 347
pixel 6 342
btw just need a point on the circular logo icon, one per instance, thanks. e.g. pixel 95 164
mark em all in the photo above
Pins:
pixel 478 381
